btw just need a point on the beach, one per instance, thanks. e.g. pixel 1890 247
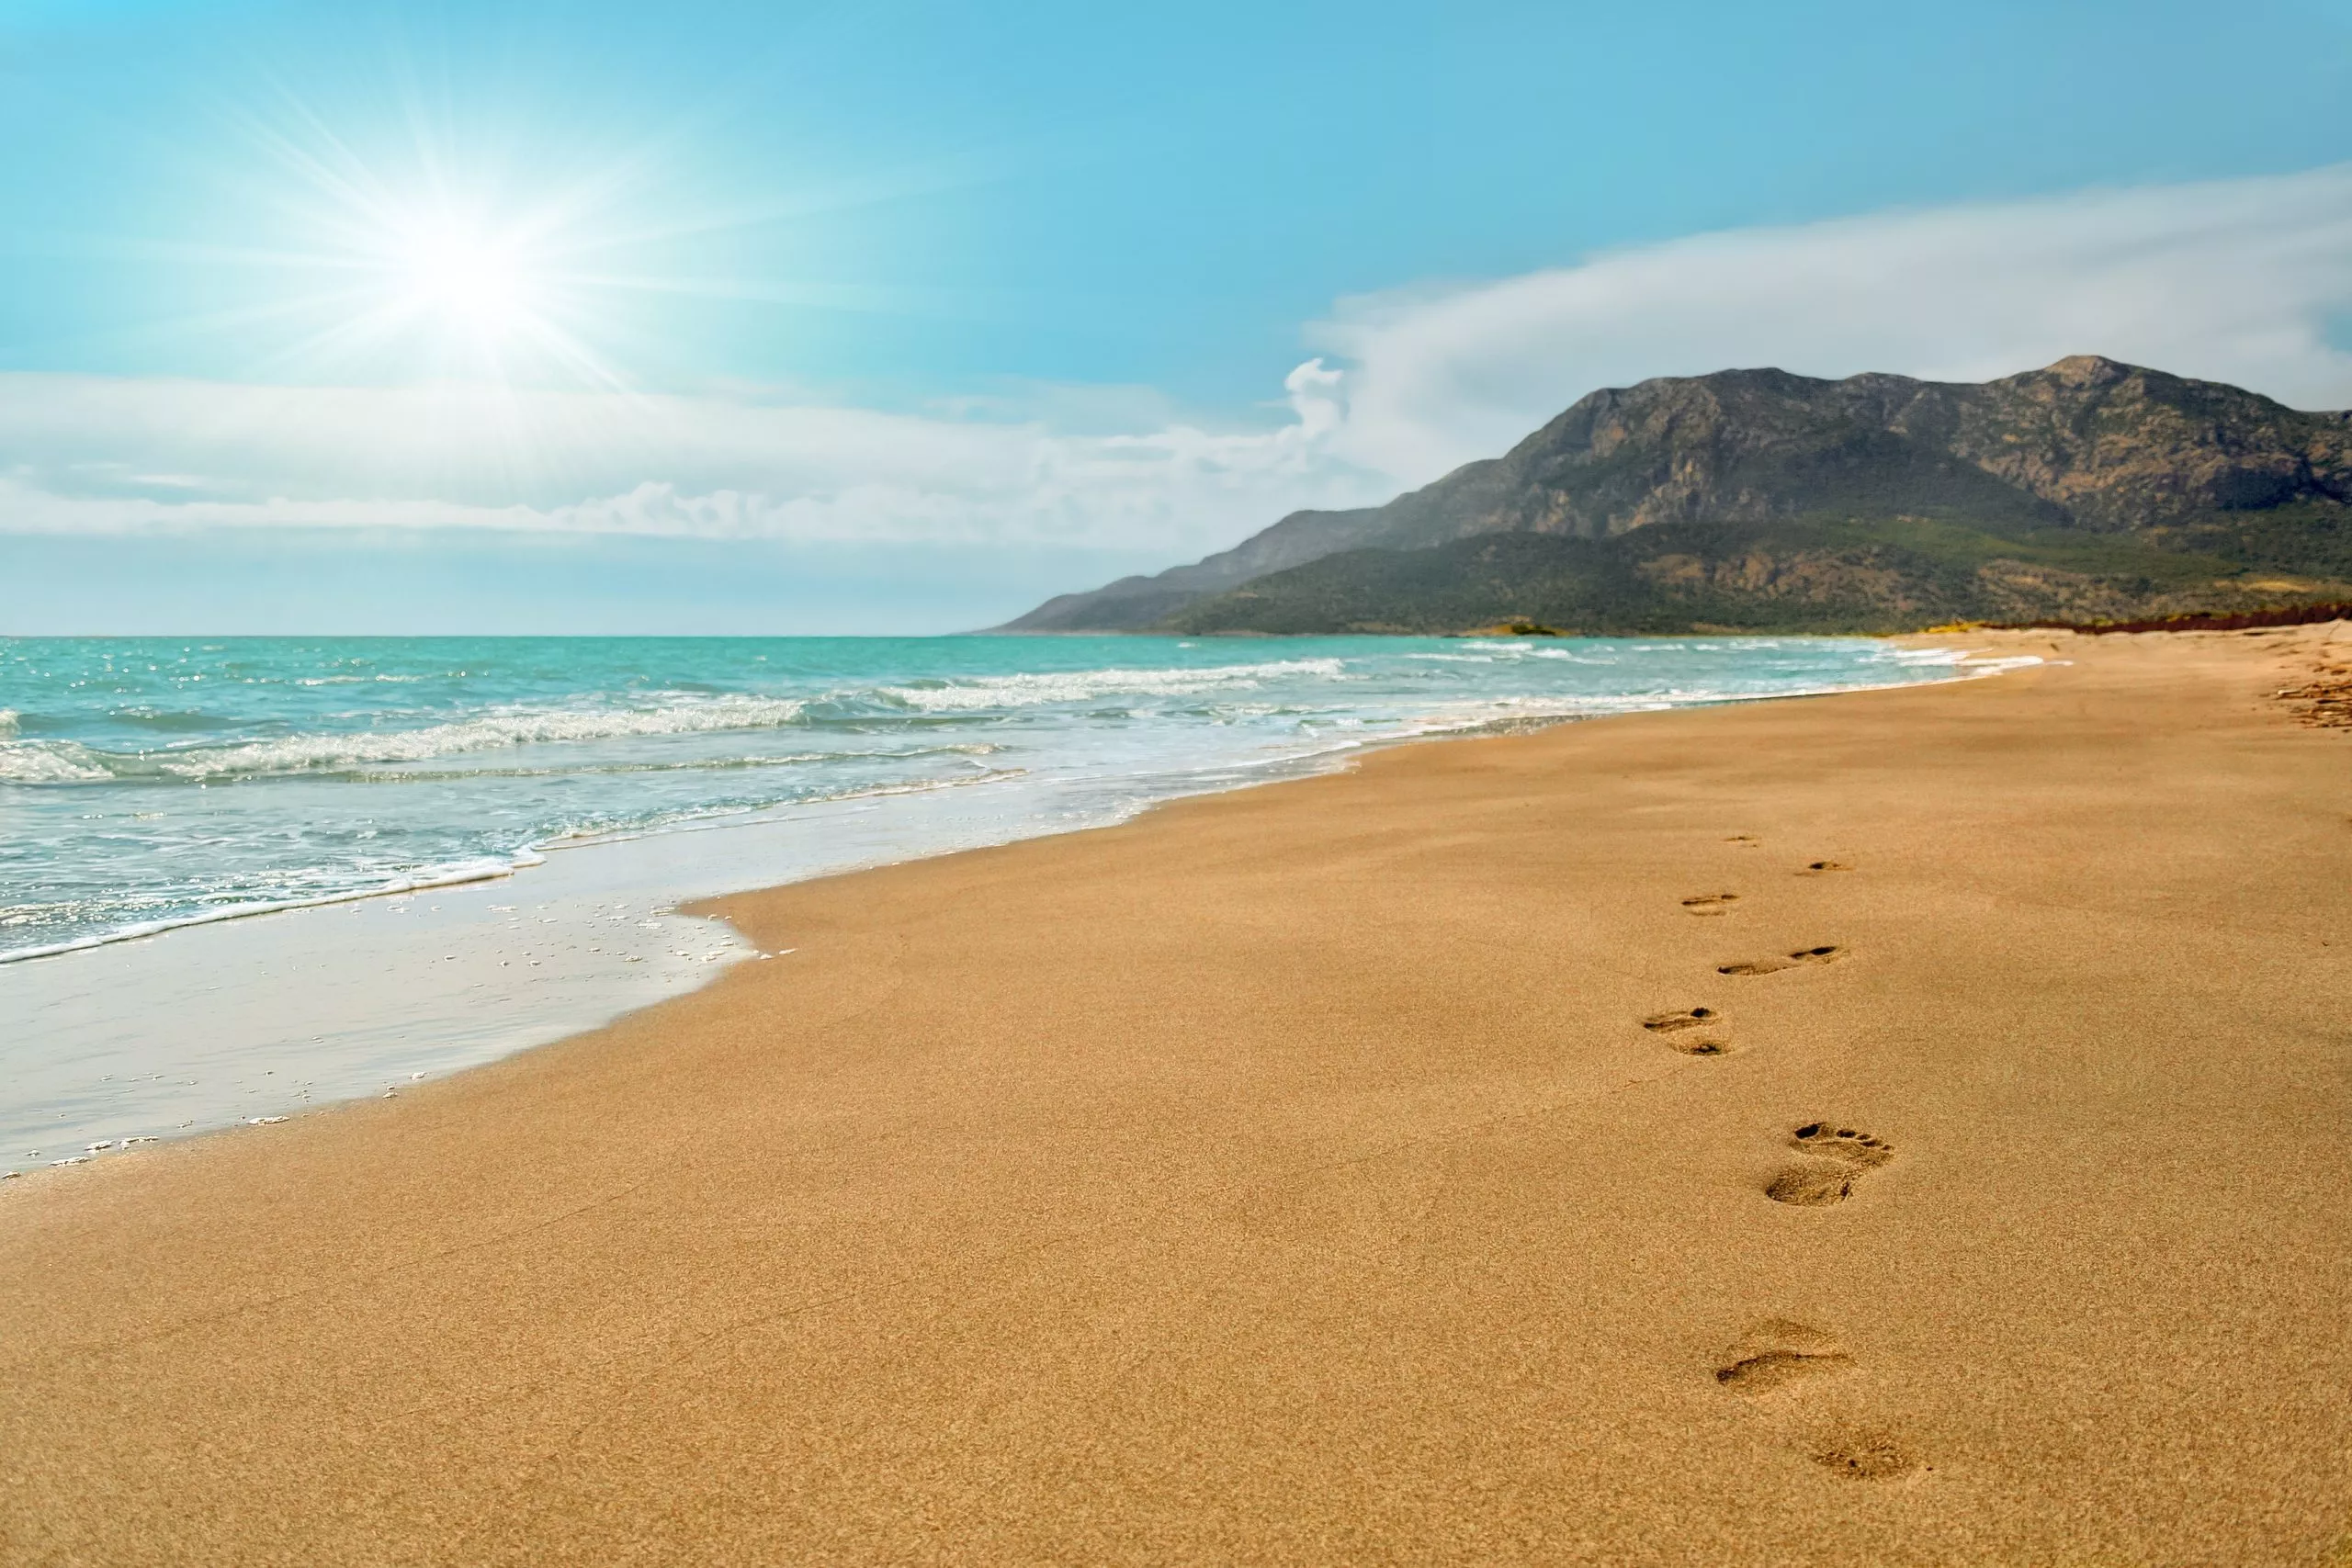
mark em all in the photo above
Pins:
pixel 1902 1126
pixel 248 877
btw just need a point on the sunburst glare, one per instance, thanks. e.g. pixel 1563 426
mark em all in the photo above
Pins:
pixel 460 277
pixel 384 226
pixel 410 254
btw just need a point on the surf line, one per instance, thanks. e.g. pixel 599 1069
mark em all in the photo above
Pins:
pixel 456 876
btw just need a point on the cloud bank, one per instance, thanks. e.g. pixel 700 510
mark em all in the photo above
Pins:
pixel 80 453
pixel 2240 280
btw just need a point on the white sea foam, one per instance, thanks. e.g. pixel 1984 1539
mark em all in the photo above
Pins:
pixel 572 768
pixel 978 692
pixel 66 762
pixel 724 817
pixel 459 873
pixel 50 761
pixel 1967 660
pixel 431 877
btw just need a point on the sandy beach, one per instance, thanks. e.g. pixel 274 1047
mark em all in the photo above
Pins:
pixel 1902 1127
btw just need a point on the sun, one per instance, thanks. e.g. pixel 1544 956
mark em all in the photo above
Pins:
pixel 410 253
pixel 466 278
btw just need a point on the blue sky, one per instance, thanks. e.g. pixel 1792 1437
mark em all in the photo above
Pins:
pixel 898 317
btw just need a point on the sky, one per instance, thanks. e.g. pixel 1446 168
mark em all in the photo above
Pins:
pixel 899 316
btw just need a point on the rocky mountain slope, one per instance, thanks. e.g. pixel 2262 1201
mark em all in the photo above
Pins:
pixel 1759 500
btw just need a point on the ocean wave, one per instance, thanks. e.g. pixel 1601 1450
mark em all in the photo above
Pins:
pixel 8 722
pixel 1085 685
pixel 485 868
pixel 68 761
pixel 728 814
pixel 183 721
pixel 50 762
pixel 424 879
pixel 317 752
pixel 442 776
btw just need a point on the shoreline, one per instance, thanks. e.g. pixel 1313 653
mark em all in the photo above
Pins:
pixel 1314 1172
pixel 425 995
pixel 441 875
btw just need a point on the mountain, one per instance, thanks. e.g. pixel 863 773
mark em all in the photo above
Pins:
pixel 1759 500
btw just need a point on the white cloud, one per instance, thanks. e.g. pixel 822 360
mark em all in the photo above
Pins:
pixel 2235 280
pixel 2238 280
pixel 82 453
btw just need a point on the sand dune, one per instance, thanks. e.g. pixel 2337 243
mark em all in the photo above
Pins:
pixel 1906 1127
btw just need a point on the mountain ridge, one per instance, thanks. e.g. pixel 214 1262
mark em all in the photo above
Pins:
pixel 1802 503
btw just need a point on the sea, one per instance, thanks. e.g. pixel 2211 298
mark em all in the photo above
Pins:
pixel 241 878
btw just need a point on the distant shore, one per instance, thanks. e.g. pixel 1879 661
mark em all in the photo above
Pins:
pixel 1902 1126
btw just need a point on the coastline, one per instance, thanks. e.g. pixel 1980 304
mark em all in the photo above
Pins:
pixel 438 876
pixel 234 1015
pixel 1286 1174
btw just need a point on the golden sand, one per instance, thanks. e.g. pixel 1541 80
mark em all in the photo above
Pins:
pixel 1379 1168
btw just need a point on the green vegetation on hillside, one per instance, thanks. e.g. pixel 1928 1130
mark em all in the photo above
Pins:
pixel 1821 573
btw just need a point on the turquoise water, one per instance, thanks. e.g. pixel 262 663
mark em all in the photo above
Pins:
pixel 148 784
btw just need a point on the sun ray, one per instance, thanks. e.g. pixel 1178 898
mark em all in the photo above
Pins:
pixel 403 232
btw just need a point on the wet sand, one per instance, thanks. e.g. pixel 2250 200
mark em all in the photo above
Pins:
pixel 1291 1176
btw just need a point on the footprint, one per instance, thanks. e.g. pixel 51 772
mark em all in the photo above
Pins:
pixel 1743 838
pixel 1839 1142
pixel 1678 1028
pixel 1776 1353
pixel 1817 867
pixel 1710 903
pixel 1827 953
pixel 1863 1453
pixel 1700 1046
pixel 1841 1155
